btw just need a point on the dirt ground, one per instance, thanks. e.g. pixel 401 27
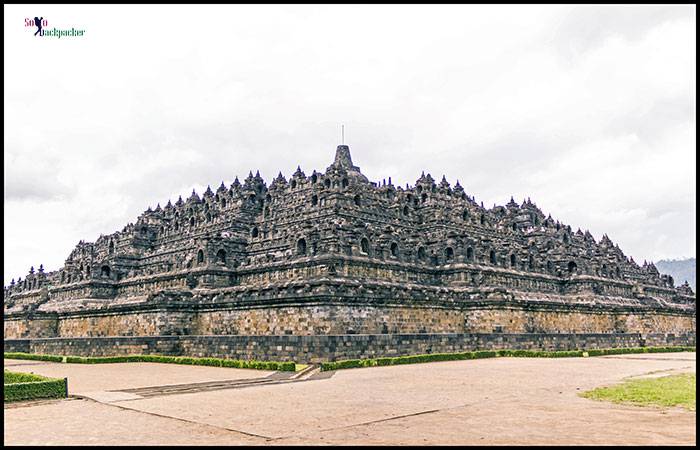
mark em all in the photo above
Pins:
pixel 490 401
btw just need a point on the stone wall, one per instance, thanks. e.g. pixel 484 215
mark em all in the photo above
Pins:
pixel 330 319
pixel 146 323
pixel 320 319
pixel 529 321
pixel 15 329
pixel 31 327
pixel 336 347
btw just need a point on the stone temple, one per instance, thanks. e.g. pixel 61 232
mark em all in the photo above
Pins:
pixel 332 266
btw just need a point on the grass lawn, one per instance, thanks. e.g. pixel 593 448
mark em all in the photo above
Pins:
pixel 672 390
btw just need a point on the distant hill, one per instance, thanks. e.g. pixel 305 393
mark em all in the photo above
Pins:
pixel 680 270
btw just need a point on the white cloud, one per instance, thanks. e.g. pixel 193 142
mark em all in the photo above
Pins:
pixel 589 111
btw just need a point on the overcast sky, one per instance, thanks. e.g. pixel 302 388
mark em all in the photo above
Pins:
pixel 589 111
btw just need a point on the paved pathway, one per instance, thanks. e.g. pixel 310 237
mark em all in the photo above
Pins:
pixel 489 401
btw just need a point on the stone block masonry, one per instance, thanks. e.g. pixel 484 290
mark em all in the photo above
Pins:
pixel 320 348
pixel 306 318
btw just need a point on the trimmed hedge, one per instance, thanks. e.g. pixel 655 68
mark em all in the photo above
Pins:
pixel 33 356
pixel 24 386
pixel 434 357
pixel 20 377
pixel 215 362
pixel 541 353
pixel 620 351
